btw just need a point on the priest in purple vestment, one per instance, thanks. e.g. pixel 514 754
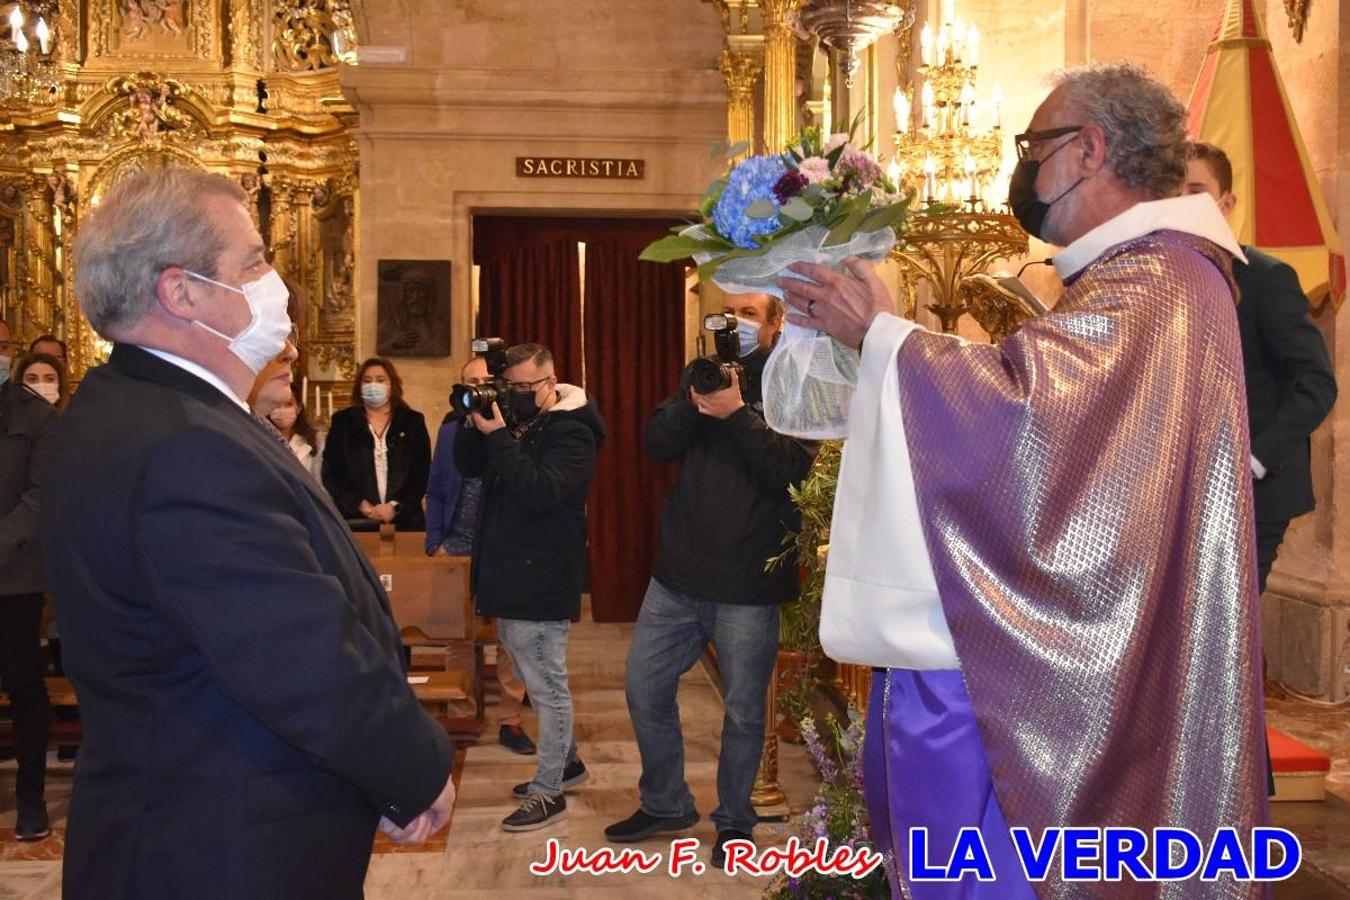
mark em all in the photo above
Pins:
pixel 1045 545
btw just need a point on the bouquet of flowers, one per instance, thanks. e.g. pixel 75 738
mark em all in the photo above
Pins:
pixel 821 200
pixel 839 815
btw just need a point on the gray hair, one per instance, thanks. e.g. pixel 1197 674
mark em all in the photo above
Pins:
pixel 1144 123
pixel 146 223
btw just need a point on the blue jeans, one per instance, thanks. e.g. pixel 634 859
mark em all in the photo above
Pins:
pixel 539 651
pixel 672 630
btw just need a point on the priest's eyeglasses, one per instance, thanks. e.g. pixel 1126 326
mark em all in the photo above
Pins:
pixel 1025 141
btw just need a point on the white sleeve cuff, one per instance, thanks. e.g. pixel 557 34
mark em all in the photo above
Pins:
pixel 1258 470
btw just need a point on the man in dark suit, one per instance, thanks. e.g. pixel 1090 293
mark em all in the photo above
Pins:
pixel 247 720
pixel 1290 383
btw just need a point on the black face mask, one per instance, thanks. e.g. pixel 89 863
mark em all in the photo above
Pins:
pixel 523 407
pixel 1029 209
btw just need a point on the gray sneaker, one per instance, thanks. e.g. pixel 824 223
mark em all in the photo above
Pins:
pixel 537 811
pixel 573 775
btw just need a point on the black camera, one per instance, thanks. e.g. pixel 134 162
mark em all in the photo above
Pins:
pixel 708 374
pixel 467 398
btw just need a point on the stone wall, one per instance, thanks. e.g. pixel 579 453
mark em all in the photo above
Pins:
pixel 486 82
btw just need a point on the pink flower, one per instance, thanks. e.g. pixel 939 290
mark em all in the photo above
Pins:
pixel 864 166
pixel 838 139
pixel 816 169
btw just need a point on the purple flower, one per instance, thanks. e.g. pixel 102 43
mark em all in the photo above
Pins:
pixel 863 166
pixel 789 186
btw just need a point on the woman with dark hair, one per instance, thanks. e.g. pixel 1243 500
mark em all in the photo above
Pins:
pixel 306 443
pixel 44 375
pixel 378 452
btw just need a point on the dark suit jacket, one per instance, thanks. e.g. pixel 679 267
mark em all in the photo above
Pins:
pixel 1290 383
pixel 25 422
pixel 349 464
pixel 245 709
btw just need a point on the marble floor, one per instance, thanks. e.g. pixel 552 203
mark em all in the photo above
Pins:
pixel 475 859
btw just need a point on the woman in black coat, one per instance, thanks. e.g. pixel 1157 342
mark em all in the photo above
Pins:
pixel 378 453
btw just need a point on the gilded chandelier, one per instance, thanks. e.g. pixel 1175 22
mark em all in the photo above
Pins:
pixel 29 63
pixel 949 150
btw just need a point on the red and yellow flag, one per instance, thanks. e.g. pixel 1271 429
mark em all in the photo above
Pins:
pixel 1239 103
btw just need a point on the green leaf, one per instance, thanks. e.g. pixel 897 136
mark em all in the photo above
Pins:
pixel 669 249
pixel 738 148
pixel 883 217
pixel 841 233
pixel 761 209
pixel 797 209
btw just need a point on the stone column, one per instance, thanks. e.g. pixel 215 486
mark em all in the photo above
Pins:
pixel 780 73
pixel 741 63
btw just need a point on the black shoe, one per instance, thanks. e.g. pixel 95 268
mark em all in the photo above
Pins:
pixel 537 811
pixel 574 773
pixel 32 823
pixel 719 853
pixel 66 753
pixel 641 825
pixel 514 738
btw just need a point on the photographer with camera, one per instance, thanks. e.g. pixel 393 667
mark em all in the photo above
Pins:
pixel 529 560
pixel 724 518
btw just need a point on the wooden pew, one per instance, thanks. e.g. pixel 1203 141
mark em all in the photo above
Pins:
pixel 433 606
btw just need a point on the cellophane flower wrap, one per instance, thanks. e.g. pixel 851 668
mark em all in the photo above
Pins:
pixel 821 201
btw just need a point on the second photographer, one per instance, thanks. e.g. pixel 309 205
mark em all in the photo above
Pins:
pixel 530 556
pixel 724 518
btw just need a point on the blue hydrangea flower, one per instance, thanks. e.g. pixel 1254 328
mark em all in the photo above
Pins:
pixel 750 181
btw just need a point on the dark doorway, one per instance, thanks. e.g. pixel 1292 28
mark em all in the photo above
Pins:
pixel 616 327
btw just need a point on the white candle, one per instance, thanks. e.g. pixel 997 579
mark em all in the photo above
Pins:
pixel 21 41
pixel 998 106
pixel 926 45
pixel 15 23
pixel 958 38
pixel 900 103
pixel 973 46
pixel 304 388
pixel 330 404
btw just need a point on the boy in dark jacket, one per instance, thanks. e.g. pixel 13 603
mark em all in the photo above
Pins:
pixel 721 522
pixel 530 556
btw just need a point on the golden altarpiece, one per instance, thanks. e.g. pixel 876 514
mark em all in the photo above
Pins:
pixel 246 88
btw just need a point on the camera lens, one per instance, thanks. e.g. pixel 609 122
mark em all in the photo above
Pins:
pixel 708 375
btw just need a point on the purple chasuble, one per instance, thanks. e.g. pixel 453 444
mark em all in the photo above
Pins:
pixel 1086 502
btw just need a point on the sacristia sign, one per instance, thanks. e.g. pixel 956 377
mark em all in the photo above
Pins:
pixel 579 167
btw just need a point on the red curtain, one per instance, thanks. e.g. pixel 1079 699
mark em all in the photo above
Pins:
pixel 530 290
pixel 634 355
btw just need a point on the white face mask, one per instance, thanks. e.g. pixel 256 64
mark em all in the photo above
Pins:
pixel 265 335
pixel 47 391
pixel 284 417
pixel 374 394
pixel 748 332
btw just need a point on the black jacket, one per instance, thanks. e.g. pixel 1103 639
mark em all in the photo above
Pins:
pixel 25 422
pixel 245 709
pixel 529 559
pixel 1290 383
pixel 349 464
pixel 729 509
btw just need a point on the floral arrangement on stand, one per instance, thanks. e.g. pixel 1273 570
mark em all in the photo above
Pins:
pixel 821 193
pixel 839 814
